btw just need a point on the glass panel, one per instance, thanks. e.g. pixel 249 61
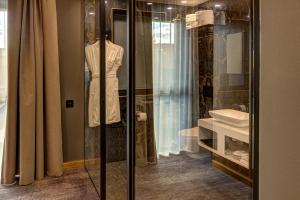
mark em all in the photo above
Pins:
pixel 92 92
pixel 231 82
pixel 116 97
pixel 192 99
pixel 237 150
pixel 3 73
pixel 116 100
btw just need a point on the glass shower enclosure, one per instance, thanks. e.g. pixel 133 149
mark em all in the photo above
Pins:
pixel 106 97
pixel 171 99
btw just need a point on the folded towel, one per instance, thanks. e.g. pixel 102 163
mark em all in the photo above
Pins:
pixel 191 21
pixel 205 17
pixel 199 18
pixel 141 116
pixel 241 154
pixel 190 18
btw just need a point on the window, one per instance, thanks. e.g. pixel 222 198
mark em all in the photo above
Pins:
pixel 163 32
pixel 3 76
pixel 3 29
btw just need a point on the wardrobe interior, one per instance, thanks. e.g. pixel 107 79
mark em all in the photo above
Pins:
pixel 193 127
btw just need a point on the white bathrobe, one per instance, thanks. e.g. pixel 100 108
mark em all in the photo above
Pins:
pixel 114 56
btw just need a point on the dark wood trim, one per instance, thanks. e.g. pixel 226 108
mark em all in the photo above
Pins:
pixel 143 91
pixel 77 164
pixel 123 93
pixel 239 176
pixel 131 98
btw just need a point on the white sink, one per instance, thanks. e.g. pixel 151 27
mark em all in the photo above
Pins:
pixel 231 117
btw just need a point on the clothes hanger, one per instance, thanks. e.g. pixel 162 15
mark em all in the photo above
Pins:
pixel 107 37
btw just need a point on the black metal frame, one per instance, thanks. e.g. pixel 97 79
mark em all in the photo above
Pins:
pixel 255 92
pixel 102 80
pixel 131 6
pixel 131 98
pixel 130 102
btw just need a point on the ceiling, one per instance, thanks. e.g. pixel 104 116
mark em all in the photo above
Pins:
pixel 178 2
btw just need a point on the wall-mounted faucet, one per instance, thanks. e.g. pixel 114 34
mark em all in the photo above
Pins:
pixel 240 107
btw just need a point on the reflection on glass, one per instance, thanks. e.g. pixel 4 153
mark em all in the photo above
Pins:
pixel 115 97
pixel 116 100
pixel 92 128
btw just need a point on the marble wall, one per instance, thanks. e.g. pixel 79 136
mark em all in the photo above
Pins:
pixel 209 57
pixel 210 51
pixel 203 60
pixel 145 137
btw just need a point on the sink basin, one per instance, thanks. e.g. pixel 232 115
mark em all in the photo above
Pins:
pixel 231 117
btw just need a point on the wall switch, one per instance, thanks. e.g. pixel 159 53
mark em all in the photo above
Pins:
pixel 69 103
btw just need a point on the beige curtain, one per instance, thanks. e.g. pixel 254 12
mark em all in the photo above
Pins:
pixel 33 141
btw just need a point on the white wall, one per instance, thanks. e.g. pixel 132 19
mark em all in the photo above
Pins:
pixel 280 100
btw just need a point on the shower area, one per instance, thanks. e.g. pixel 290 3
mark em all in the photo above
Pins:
pixel 169 99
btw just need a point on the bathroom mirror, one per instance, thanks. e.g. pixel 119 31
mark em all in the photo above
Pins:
pixel 231 57
pixel 234 50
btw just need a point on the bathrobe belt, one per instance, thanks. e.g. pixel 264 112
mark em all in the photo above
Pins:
pixel 94 76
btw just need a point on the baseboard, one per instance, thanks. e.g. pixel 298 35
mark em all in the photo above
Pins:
pixel 79 164
pixel 92 162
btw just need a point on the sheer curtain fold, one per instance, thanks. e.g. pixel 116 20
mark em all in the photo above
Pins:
pixel 33 140
pixel 145 140
pixel 173 85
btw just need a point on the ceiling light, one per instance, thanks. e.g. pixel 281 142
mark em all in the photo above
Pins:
pixel 183 1
pixel 149 3
pixel 91 13
pixel 169 8
pixel 218 5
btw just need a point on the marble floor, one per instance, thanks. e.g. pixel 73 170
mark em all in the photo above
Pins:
pixel 188 177
pixel 74 185
pixel 181 177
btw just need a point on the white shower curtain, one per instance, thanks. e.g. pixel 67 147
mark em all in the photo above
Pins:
pixel 172 84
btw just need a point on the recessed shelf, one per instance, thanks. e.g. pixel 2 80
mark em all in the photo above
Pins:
pixel 217 143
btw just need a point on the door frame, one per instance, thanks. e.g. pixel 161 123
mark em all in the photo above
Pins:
pixel 255 91
pixel 255 85
pixel 131 139
pixel 102 142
